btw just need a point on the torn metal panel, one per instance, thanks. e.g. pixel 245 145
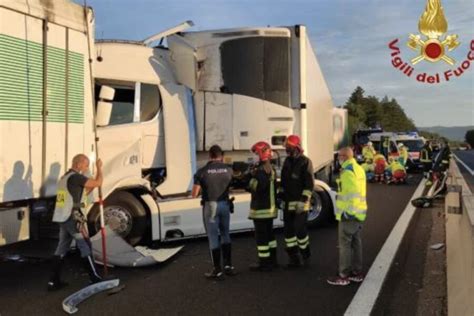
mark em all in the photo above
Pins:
pixel 218 123
pixel 122 254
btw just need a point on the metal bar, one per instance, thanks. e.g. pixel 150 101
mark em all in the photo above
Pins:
pixel 96 139
pixel 66 110
pixel 45 104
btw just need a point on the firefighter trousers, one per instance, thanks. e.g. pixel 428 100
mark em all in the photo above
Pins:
pixel 265 238
pixel 296 233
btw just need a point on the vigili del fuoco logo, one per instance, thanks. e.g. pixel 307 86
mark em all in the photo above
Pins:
pixel 433 45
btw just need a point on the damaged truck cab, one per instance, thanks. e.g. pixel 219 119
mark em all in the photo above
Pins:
pixel 171 104
pixel 155 110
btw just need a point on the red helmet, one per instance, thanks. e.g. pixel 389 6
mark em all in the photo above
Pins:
pixel 263 150
pixel 293 141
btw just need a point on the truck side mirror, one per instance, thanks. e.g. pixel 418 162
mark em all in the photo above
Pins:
pixel 104 111
pixel 104 106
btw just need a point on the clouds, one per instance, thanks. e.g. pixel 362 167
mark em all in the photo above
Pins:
pixel 350 39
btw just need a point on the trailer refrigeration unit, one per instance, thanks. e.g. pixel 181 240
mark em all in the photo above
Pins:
pixel 159 110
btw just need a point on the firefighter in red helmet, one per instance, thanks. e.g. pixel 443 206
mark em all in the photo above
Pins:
pixel 297 182
pixel 263 210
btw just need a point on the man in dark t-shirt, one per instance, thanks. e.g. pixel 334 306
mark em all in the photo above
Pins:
pixel 214 181
pixel 72 222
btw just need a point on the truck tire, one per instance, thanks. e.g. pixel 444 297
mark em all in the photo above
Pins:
pixel 321 212
pixel 124 214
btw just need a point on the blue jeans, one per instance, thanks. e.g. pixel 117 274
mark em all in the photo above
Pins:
pixel 216 217
pixel 68 231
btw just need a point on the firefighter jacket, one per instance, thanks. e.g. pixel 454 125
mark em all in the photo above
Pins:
pixel 297 182
pixel 262 187
pixel 426 154
pixel 351 196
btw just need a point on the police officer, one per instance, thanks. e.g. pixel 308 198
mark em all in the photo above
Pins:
pixel 263 210
pixel 297 182
pixel 214 180
pixel 351 211
pixel 72 222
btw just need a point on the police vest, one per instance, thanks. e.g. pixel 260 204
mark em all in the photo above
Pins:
pixel 64 201
pixel 351 196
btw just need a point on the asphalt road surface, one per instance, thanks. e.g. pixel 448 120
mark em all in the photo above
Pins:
pixel 179 288
pixel 467 157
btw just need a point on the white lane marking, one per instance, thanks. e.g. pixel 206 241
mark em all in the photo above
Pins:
pixel 366 296
pixel 464 164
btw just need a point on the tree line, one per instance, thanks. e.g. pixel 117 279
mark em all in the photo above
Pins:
pixel 370 112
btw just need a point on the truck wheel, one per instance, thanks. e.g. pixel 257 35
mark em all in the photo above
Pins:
pixel 321 212
pixel 124 214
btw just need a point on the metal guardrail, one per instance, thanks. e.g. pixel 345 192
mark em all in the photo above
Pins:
pixel 459 209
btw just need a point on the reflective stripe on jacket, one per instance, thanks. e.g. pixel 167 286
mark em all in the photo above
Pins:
pixel 297 182
pixel 425 155
pixel 263 188
pixel 351 196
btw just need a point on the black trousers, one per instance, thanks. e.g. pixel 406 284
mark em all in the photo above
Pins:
pixel 296 232
pixel 265 237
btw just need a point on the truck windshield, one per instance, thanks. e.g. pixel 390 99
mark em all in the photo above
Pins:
pixel 413 145
pixel 258 67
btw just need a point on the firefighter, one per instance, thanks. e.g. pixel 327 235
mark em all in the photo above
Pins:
pixel 445 156
pixel 72 222
pixel 426 160
pixel 368 151
pixel 351 211
pixel 297 182
pixel 214 179
pixel 263 209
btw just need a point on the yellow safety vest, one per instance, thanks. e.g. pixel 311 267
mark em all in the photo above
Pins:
pixel 395 165
pixel 404 154
pixel 368 153
pixel 351 195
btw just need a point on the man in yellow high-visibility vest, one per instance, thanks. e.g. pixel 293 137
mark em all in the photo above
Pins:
pixel 351 211
pixel 368 151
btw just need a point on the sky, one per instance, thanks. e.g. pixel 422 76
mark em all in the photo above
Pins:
pixel 350 38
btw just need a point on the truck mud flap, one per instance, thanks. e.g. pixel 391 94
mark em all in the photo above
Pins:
pixel 122 254
pixel 71 302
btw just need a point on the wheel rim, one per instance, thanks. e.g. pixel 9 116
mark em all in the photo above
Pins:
pixel 118 218
pixel 316 207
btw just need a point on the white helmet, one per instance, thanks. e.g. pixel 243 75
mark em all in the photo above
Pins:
pixel 400 145
pixel 369 143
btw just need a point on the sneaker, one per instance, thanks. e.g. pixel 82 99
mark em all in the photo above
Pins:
pixel 338 280
pixel 230 271
pixel 356 277
pixel 214 275
pixel 55 286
